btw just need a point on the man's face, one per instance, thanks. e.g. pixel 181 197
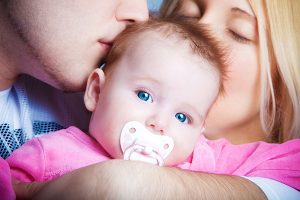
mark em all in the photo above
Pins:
pixel 69 38
pixel 160 83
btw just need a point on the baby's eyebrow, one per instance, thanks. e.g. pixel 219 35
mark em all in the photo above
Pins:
pixel 152 80
pixel 193 112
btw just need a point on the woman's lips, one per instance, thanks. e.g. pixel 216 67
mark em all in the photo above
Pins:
pixel 106 45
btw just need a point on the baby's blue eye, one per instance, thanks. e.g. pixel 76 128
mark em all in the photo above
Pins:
pixel 145 96
pixel 182 117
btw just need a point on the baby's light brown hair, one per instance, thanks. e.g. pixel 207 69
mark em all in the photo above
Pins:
pixel 199 37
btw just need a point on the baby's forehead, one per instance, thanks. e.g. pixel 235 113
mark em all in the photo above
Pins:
pixel 152 35
pixel 161 47
pixel 160 34
pixel 159 40
pixel 183 37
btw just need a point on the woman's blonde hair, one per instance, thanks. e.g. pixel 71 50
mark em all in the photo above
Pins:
pixel 279 35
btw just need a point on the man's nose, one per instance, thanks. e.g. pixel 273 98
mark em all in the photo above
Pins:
pixel 210 19
pixel 132 11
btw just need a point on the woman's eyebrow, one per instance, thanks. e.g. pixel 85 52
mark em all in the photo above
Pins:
pixel 243 12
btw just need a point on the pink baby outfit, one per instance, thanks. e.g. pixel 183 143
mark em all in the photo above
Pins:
pixel 55 154
pixel 6 189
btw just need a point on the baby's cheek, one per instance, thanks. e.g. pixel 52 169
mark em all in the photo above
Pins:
pixel 181 152
pixel 114 148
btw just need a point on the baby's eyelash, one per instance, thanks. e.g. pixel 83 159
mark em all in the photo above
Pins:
pixel 190 118
pixel 143 89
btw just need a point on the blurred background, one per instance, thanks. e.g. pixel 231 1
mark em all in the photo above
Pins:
pixel 154 5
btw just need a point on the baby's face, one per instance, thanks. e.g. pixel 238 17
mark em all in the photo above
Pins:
pixel 161 84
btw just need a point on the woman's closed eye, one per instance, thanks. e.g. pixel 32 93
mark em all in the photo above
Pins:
pixel 242 29
pixel 238 37
pixel 144 96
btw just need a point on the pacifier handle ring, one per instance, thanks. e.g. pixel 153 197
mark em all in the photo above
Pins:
pixel 133 148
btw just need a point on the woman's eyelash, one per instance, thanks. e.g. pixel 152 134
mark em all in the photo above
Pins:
pixel 238 37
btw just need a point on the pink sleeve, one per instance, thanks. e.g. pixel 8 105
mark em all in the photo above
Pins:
pixel 280 162
pixel 6 189
pixel 27 163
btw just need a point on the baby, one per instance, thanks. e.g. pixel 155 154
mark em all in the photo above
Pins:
pixel 149 103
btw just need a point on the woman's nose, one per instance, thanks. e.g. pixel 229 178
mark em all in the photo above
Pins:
pixel 132 11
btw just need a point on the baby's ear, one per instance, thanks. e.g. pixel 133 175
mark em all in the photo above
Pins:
pixel 94 85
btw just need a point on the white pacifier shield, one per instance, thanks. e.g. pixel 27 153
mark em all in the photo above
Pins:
pixel 138 143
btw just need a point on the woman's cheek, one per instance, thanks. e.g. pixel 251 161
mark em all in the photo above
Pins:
pixel 240 102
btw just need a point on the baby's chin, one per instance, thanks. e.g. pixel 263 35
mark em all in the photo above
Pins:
pixel 115 154
pixel 174 160
pixel 169 162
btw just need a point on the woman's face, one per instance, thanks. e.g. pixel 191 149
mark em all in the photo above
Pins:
pixel 235 115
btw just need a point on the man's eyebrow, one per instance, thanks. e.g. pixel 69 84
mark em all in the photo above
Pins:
pixel 243 12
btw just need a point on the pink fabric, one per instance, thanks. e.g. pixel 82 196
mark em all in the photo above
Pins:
pixel 55 154
pixel 6 189
pixel 280 162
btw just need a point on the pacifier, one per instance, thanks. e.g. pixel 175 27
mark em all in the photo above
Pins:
pixel 138 143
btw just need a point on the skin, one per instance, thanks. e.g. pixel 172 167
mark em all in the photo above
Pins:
pixel 236 115
pixel 153 65
pixel 162 183
pixel 114 180
pixel 61 42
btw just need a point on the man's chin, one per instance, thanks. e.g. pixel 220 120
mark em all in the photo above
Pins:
pixel 66 87
pixel 71 88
